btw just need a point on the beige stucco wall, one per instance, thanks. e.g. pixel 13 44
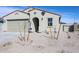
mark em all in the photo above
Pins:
pixel 15 26
pixel 17 15
pixel 3 27
pixel 43 24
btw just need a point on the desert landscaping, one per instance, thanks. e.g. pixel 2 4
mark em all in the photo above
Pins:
pixel 39 43
pixel 37 30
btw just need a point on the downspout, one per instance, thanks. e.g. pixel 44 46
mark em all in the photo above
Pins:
pixel 28 35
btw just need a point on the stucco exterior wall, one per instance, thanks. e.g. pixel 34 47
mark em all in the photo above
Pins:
pixel 15 22
pixel 43 20
pixel 38 15
pixel 17 15
pixel 55 21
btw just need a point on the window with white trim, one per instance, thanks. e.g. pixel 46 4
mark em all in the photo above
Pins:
pixel 50 20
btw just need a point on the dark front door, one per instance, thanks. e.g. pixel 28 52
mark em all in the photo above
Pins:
pixel 36 24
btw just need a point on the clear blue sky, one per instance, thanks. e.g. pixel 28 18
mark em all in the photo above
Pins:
pixel 68 13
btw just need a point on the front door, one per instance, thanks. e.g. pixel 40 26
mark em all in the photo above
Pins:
pixel 36 24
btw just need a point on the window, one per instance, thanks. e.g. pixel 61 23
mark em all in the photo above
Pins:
pixel 49 21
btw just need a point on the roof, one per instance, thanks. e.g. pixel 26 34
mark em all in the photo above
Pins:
pixel 15 11
pixel 44 11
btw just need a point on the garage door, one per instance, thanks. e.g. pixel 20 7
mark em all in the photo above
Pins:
pixel 17 26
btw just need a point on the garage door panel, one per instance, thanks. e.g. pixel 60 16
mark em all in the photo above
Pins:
pixel 17 26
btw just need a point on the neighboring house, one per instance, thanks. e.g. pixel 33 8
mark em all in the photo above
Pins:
pixel 68 27
pixel 76 26
pixel 38 20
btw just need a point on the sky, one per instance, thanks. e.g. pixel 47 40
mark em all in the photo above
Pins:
pixel 68 13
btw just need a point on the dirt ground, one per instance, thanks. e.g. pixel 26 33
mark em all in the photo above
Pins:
pixel 40 43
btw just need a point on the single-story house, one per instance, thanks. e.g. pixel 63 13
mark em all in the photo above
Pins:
pixel 68 27
pixel 76 27
pixel 36 20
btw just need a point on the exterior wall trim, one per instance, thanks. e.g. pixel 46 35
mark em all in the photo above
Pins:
pixel 17 19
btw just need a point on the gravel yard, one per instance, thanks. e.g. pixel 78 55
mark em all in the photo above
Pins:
pixel 40 43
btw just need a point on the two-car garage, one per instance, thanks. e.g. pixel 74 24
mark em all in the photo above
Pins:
pixel 17 21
